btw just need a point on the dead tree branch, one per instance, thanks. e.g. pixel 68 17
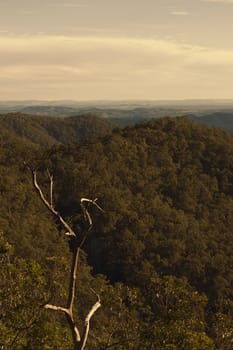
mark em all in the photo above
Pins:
pixel 50 205
pixel 85 333
pixel 79 340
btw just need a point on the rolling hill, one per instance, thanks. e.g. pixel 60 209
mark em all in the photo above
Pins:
pixel 159 256
pixel 47 131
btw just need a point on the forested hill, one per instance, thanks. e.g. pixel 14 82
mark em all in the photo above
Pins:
pixel 223 120
pixel 47 131
pixel 165 239
pixel 169 188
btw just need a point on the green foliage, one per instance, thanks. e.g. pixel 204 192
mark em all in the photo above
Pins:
pixel 166 187
pixel 22 293
pixel 47 131
pixel 224 333
pixel 164 240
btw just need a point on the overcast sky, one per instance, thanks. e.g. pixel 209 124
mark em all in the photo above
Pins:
pixel 116 49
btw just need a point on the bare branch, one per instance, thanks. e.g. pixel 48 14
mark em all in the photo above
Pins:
pixel 70 319
pixel 86 213
pixel 92 201
pixel 79 342
pixel 73 278
pixel 97 295
pixel 86 329
pixel 51 187
pixel 108 340
pixel 49 205
pixel 56 308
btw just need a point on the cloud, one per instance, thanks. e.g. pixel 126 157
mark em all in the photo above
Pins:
pixel 179 13
pixel 27 12
pixel 76 29
pixel 93 67
pixel 220 1
pixel 69 5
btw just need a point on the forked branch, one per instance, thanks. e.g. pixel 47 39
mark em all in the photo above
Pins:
pixel 48 204
pixel 79 341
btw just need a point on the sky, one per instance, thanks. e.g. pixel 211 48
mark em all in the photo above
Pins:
pixel 116 49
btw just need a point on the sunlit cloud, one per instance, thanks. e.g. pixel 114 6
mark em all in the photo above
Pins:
pixel 69 5
pixel 220 1
pixel 84 29
pixel 111 68
pixel 179 13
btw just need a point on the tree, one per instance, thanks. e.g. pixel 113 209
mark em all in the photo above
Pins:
pixel 20 306
pixel 76 241
pixel 178 316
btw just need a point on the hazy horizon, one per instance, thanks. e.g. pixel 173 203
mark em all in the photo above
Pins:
pixel 116 51
pixel 200 100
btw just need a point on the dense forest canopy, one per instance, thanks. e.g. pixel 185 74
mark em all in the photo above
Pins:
pixel 48 131
pixel 161 254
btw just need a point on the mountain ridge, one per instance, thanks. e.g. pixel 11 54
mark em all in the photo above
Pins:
pixel 47 131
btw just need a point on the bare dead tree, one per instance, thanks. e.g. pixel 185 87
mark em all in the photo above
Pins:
pixel 79 338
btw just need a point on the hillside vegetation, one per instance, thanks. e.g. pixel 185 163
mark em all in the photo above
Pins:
pixel 160 255
pixel 48 131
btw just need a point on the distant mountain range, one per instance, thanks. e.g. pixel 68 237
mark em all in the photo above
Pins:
pixel 118 109
pixel 69 123
pixel 218 120
pixel 223 120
